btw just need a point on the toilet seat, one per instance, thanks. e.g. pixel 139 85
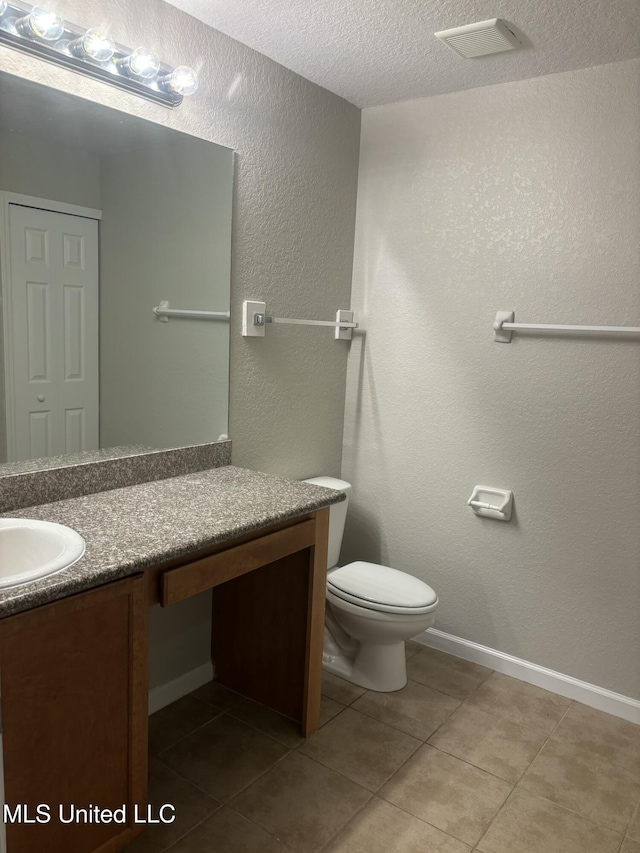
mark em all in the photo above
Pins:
pixel 381 588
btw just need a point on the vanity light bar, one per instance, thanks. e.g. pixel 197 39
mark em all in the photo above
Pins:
pixel 40 32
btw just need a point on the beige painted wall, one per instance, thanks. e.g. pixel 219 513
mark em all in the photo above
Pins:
pixel 43 169
pixel 294 206
pixel 524 196
pixel 165 234
pixel 46 169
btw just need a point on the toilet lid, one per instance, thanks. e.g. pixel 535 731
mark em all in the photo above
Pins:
pixel 382 585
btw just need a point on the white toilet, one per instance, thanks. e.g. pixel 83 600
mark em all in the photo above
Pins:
pixel 371 611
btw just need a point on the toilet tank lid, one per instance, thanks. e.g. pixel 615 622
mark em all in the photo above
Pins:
pixel 382 585
pixel 330 483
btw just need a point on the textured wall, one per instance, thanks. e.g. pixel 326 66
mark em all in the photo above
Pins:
pixel 523 196
pixel 294 208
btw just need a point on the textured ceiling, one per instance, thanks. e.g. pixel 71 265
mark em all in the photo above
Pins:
pixel 375 52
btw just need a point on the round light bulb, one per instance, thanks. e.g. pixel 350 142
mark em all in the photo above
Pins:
pixel 41 24
pixel 142 64
pixel 182 80
pixel 93 45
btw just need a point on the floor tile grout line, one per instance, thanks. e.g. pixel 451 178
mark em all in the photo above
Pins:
pixel 392 726
pixel 382 784
pixel 636 811
pixel 299 747
pixel 491 822
pixel 192 829
pixel 423 820
pixel 567 809
pixel 186 779
pixel 261 828
pixel 470 764
pixel 340 773
pixel 557 726
pixel 437 729
pixel 262 731
pixel 502 716
pixel 233 796
pixel 184 737
pixel 346 704
pixel 346 823
pixel 264 772
pixel 592 820
pixel 242 722
pixel 549 800
pixel 320 764
pixel 444 692
pixel 376 794
pixel 540 796
pixel 259 776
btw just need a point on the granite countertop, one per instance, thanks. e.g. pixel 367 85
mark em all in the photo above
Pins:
pixel 133 528
pixel 28 465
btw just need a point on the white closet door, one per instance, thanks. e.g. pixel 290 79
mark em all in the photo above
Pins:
pixel 54 319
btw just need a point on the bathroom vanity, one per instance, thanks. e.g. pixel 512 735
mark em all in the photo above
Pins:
pixel 74 647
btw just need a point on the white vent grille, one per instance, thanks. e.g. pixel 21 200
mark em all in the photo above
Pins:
pixel 479 39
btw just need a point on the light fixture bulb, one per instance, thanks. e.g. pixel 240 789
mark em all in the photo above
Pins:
pixel 93 45
pixel 182 80
pixel 140 64
pixel 41 24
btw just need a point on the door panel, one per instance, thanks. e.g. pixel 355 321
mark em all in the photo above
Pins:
pixel 40 434
pixel 38 332
pixel 73 332
pixel 74 431
pixel 54 318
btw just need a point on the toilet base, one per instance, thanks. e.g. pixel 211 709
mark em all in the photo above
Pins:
pixel 378 667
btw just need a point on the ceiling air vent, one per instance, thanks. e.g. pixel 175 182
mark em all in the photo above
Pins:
pixel 479 39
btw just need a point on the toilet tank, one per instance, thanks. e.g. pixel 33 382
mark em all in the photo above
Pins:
pixel 337 515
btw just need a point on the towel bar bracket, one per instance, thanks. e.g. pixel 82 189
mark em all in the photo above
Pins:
pixel 255 319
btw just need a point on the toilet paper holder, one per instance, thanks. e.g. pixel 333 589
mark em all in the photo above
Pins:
pixel 492 503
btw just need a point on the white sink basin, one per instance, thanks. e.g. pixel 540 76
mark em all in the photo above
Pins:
pixel 31 549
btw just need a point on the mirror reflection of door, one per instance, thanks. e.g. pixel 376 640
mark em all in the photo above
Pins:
pixel 52 355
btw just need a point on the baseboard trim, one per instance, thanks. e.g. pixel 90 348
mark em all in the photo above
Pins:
pixel 165 694
pixel 556 682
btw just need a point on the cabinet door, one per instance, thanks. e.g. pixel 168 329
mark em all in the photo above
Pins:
pixel 74 714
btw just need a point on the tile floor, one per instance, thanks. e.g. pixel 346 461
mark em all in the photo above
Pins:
pixel 462 759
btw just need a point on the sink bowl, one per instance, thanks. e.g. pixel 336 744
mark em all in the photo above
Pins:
pixel 31 549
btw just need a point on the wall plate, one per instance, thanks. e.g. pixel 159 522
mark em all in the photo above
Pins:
pixel 343 317
pixel 249 329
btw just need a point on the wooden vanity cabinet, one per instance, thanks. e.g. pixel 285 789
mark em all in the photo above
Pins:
pixel 74 716
pixel 268 590
pixel 73 675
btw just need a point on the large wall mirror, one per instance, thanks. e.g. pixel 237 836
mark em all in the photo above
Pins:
pixel 103 217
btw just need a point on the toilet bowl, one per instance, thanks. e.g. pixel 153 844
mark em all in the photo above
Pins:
pixel 371 611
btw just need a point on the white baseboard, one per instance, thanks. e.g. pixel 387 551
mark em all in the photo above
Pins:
pixel 165 694
pixel 556 682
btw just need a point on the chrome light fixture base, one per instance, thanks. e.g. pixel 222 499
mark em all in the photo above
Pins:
pixel 112 72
